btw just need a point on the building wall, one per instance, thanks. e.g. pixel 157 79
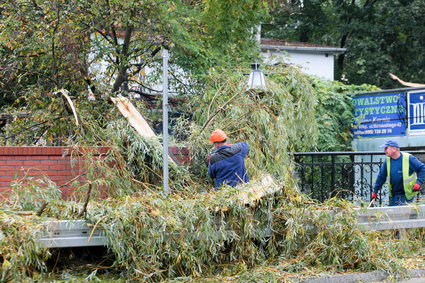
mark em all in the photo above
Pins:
pixel 318 64
pixel 62 165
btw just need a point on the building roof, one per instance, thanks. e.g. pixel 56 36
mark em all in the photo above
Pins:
pixel 279 44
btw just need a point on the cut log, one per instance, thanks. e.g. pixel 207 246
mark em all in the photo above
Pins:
pixel 259 189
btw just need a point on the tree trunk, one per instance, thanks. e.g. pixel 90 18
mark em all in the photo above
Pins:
pixel 122 73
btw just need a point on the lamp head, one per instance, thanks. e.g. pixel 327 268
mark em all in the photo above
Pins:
pixel 256 78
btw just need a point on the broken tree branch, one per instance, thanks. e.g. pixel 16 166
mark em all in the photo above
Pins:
pixel 394 77
pixel 42 208
pixel 64 92
pixel 84 211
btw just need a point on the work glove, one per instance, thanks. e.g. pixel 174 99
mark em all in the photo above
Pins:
pixel 416 187
pixel 374 196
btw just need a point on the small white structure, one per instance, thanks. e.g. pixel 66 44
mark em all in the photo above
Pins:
pixel 313 59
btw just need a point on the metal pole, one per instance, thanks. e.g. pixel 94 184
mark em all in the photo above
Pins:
pixel 165 57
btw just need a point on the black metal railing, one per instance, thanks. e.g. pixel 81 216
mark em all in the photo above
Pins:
pixel 350 175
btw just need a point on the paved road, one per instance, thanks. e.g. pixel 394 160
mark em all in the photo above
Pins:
pixel 414 280
pixel 416 275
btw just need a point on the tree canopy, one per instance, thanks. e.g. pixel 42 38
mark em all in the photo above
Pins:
pixel 380 36
pixel 101 47
pixel 52 45
pixel 48 45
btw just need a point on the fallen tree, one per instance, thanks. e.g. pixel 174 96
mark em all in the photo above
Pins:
pixel 195 231
pixel 152 237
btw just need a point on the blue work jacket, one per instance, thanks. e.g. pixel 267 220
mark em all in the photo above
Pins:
pixel 227 164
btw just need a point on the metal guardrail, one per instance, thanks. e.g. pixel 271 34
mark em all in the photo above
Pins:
pixel 71 233
pixel 76 233
pixel 393 217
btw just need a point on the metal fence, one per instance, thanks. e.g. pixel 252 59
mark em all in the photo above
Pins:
pixel 350 175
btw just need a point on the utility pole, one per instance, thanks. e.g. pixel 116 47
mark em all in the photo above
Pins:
pixel 165 57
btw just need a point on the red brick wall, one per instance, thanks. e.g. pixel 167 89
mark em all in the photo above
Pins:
pixel 180 154
pixel 56 163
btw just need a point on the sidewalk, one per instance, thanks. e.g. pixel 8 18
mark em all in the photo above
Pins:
pixel 416 276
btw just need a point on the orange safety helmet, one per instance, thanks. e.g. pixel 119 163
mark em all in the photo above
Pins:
pixel 218 136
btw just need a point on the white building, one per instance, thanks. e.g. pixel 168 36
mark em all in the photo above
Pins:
pixel 313 59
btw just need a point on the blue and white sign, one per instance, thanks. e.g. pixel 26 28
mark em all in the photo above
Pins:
pixel 416 112
pixel 380 115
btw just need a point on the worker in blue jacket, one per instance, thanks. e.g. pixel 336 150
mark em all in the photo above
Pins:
pixel 226 163
pixel 406 174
